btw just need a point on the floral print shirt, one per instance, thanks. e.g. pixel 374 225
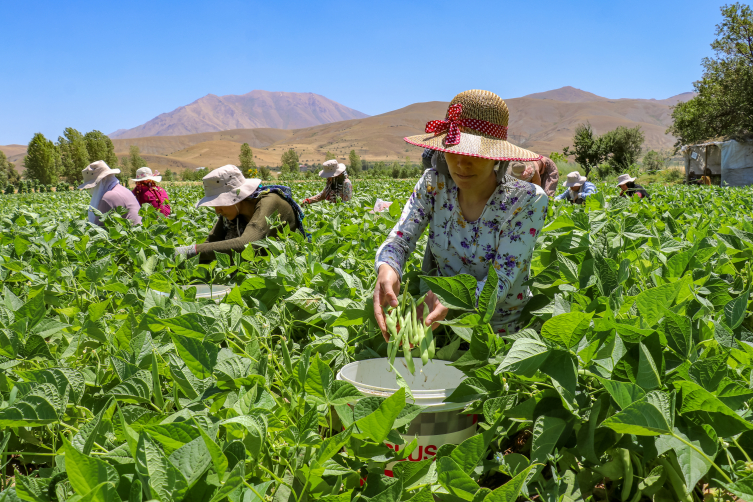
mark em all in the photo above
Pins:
pixel 331 195
pixel 504 234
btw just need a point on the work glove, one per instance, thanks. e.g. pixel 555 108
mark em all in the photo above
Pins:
pixel 187 251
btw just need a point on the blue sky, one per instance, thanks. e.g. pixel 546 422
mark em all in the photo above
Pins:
pixel 111 65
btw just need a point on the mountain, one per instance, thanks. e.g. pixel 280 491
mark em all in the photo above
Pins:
pixel 567 94
pixel 256 109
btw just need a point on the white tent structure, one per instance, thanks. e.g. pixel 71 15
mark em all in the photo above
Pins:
pixel 729 161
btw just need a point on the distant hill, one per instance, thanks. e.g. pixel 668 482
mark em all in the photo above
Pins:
pixel 567 94
pixel 256 109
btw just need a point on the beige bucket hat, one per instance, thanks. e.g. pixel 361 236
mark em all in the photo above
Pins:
pixel 624 178
pixel 94 173
pixel 521 171
pixel 331 169
pixel 574 179
pixel 226 186
pixel 144 174
pixel 475 125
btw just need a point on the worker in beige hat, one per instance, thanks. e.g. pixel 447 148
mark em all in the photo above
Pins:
pixel 244 208
pixel 107 192
pixel 476 215
pixel 578 188
pixel 338 187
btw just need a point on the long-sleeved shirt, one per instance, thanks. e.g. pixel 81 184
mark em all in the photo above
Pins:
pixel 586 189
pixel 154 195
pixel 235 235
pixel 120 196
pixel 550 176
pixel 504 235
pixel 331 195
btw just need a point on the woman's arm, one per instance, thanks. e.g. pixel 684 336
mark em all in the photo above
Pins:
pixel 347 190
pixel 318 198
pixel 516 242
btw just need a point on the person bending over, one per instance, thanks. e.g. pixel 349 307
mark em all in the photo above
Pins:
pixel 338 188
pixel 578 188
pixel 107 192
pixel 146 191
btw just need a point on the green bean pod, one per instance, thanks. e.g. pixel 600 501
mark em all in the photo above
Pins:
pixel 429 334
pixel 675 481
pixel 627 478
pixel 408 356
pixel 414 323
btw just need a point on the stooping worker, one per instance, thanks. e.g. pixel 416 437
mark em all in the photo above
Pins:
pixel 338 188
pixel 146 191
pixel 476 215
pixel 629 187
pixel 242 206
pixel 578 188
pixel 547 174
pixel 107 192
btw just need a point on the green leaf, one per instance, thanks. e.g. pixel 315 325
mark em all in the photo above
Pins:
pixel 454 480
pixel 653 302
pixel 234 481
pixel 137 389
pixel 332 445
pixel 678 332
pixel 160 478
pixel 546 432
pixel 84 439
pixel 525 357
pixel 38 407
pixel 103 492
pixel 85 472
pixel 218 457
pixel 562 367
pixel 650 416
pixel 566 330
pixel 510 491
pixel 456 292
pixel 199 356
pixel 696 398
pixel 734 311
pixel 695 460
pixel 468 453
pixel 192 460
pixel 318 379
pixel 487 299
pixel 173 435
pixel 256 426
pixel 378 424
pixel 623 393
pixel 648 376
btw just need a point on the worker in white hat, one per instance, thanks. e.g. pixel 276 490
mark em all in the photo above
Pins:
pixel 578 188
pixel 107 192
pixel 338 188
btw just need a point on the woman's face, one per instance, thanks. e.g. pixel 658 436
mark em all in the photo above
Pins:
pixel 575 188
pixel 469 172
pixel 624 186
pixel 229 212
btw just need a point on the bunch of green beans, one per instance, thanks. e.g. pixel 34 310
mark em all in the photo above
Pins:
pixel 406 329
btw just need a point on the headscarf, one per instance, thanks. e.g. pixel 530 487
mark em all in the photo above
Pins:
pixel 105 185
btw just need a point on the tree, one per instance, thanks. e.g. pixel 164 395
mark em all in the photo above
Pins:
pixel 42 160
pixel 168 176
pixel 329 156
pixel 73 154
pixel 290 162
pixel 135 160
pixel 246 160
pixel 8 172
pixel 265 173
pixel 587 148
pixel 724 104
pixel 100 147
pixel 355 164
pixel 622 146
pixel 654 161
pixel 395 168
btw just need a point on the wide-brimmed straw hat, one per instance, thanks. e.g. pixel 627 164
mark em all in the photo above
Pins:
pixel 331 169
pixel 226 186
pixel 574 179
pixel 94 173
pixel 145 174
pixel 521 171
pixel 475 125
pixel 624 178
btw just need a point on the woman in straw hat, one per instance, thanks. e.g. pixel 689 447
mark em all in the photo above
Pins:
pixel 477 216
pixel 338 188
pixel 630 188
pixel 107 192
pixel 242 206
pixel 578 188
pixel 146 190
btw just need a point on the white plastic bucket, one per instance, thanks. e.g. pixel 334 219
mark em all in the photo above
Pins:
pixel 214 292
pixel 441 423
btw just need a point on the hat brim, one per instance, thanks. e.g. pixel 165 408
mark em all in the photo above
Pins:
pixel 474 145
pixel 629 180
pixel 92 184
pixel 234 196
pixel 328 173
pixel 156 179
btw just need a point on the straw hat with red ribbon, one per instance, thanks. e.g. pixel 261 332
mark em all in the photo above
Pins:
pixel 475 125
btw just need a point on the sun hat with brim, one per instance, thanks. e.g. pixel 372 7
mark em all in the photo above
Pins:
pixel 145 174
pixel 331 169
pixel 226 186
pixel 94 173
pixel 521 171
pixel 624 178
pixel 574 179
pixel 475 125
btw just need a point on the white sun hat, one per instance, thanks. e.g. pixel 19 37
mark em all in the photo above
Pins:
pixel 331 169
pixel 94 173
pixel 521 171
pixel 226 186
pixel 144 174
pixel 624 178
pixel 574 179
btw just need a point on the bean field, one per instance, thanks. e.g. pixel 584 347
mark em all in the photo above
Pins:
pixel 631 382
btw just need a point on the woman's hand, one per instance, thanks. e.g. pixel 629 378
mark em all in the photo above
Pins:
pixel 437 311
pixel 385 293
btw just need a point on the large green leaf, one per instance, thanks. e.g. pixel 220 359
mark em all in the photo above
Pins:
pixel 137 389
pixel 378 424
pixel 192 460
pixel 454 480
pixel 546 433
pixel 525 357
pixel 162 480
pixel 697 399
pixel 256 426
pixel 38 407
pixel 199 356
pixel 734 311
pixel 648 375
pixel 510 491
pixel 695 447
pixel 653 302
pixel 85 472
pixel 623 393
pixel 566 330
pixel 487 299
pixel 652 415
pixel 456 292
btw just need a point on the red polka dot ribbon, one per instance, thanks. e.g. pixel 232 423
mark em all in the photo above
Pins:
pixel 453 124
